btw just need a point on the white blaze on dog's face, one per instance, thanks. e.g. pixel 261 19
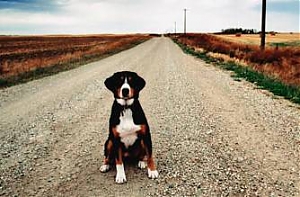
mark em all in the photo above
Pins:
pixel 126 91
pixel 126 86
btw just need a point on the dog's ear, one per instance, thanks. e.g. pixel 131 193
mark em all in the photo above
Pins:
pixel 110 83
pixel 139 82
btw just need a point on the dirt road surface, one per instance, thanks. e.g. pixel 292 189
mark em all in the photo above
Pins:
pixel 212 136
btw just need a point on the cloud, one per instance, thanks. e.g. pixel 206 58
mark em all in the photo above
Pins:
pixel 128 16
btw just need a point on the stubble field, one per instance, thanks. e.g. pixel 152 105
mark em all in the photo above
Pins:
pixel 292 38
pixel 23 54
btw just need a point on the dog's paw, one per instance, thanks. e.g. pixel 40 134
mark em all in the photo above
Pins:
pixel 152 174
pixel 121 177
pixel 142 164
pixel 104 168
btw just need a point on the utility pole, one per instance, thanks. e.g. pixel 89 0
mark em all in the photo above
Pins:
pixel 185 21
pixel 175 29
pixel 263 25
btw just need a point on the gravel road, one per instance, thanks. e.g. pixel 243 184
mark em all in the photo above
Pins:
pixel 212 136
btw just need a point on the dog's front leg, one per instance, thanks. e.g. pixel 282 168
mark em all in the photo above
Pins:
pixel 121 177
pixel 147 145
pixel 108 148
pixel 152 171
pixel 118 153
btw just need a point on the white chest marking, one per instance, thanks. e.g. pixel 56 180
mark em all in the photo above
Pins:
pixel 127 129
pixel 125 102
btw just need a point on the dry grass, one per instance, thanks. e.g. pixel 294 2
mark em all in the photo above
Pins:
pixel 21 54
pixel 282 63
pixel 255 38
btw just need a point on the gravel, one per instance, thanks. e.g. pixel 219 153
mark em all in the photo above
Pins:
pixel 212 136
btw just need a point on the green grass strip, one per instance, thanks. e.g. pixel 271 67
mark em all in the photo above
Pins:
pixel 275 86
pixel 285 44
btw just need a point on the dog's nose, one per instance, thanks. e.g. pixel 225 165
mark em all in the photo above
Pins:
pixel 125 92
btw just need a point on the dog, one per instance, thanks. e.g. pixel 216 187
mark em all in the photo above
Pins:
pixel 129 132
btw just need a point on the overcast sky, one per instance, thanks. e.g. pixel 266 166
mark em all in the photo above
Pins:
pixel 142 16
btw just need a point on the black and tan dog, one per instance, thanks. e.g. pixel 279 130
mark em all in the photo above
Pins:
pixel 129 133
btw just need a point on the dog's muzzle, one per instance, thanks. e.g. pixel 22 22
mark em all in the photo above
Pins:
pixel 125 92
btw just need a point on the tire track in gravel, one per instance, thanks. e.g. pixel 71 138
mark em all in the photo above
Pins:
pixel 212 136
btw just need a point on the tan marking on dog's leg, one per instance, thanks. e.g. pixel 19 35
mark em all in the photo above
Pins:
pixel 105 166
pixel 115 132
pixel 142 157
pixel 143 129
pixel 151 164
pixel 109 148
pixel 120 177
pixel 119 160
pixel 152 172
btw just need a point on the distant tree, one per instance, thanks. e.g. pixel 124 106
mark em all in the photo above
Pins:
pixel 238 31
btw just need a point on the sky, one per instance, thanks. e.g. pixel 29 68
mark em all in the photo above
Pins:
pixel 142 16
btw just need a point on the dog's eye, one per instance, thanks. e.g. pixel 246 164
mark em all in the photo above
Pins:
pixel 129 78
pixel 120 80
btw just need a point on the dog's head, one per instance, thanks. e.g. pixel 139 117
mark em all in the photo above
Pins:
pixel 125 86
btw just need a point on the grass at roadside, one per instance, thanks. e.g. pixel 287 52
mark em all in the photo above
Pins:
pixel 38 57
pixel 286 44
pixel 282 62
pixel 262 81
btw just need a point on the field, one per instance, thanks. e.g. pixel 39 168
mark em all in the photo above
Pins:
pixel 282 63
pixel 271 40
pixel 27 54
